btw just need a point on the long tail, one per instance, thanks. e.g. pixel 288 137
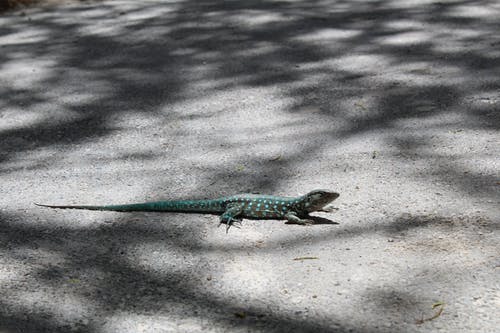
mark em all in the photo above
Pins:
pixel 117 208
pixel 187 206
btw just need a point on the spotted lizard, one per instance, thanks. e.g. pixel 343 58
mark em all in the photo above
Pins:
pixel 233 208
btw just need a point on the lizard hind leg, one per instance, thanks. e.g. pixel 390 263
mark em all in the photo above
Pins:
pixel 230 222
pixel 229 216
pixel 294 219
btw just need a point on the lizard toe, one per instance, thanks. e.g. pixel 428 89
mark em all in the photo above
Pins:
pixel 308 222
pixel 229 222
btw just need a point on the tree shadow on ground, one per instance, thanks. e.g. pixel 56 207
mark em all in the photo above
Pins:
pixel 151 59
pixel 324 56
pixel 91 266
pixel 417 62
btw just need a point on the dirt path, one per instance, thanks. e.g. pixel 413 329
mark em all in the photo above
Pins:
pixel 394 104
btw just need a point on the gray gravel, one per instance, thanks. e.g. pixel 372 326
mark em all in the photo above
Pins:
pixel 394 104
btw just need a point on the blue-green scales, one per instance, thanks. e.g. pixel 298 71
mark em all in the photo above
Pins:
pixel 234 208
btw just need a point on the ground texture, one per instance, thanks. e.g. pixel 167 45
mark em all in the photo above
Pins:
pixel 394 104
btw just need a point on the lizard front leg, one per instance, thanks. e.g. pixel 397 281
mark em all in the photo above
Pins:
pixel 328 209
pixel 229 216
pixel 292 218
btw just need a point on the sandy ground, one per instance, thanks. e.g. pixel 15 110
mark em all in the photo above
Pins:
pixel 394 104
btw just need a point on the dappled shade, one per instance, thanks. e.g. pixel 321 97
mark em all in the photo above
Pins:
pixel 155 93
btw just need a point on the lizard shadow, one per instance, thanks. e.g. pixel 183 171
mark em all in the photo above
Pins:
pixel 317 220
pixel 322 220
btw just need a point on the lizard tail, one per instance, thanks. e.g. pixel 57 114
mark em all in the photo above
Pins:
pixel 115 208
pixel 197 206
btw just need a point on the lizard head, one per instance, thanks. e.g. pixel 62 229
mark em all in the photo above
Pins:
pixel 317 199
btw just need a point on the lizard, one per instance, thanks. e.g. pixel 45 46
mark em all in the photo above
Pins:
pixel 295 210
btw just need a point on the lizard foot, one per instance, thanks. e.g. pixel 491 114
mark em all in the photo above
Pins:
pixel 230 222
